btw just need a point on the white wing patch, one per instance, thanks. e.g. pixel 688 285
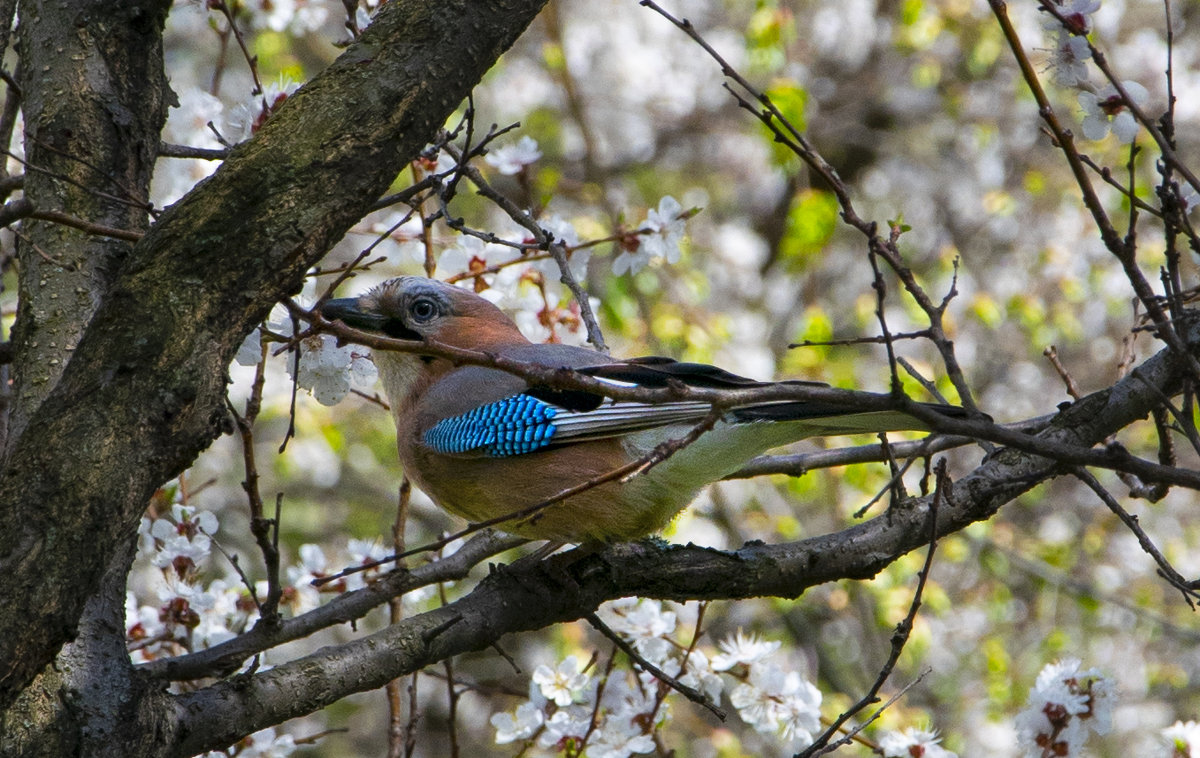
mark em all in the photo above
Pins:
pixel 616 418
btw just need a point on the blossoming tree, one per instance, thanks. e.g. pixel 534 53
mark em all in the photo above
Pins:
pixel 206 538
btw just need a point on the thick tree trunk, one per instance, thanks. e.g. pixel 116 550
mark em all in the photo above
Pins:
pixel 94 99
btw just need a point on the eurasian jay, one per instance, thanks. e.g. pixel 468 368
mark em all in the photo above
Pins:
pixel 483 443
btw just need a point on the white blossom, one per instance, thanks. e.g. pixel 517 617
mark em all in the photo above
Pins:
pixel 563 232
pixel 521 725
pixel 657 237
pixel 182 541
pixel 742 648
pixel 560 685
pixel 250 353
pixel 471 254
pixel 146 542
pixel 629 701
pixel 639 617
pixel 175 589
pixel 1106 110
pixel 512 159
pixel 205 521
pixel 1063 704
pixel 666 224
pixel 560 228
pixel 244 119
pixel 142 623
pixel 177 547
pixel 366 551
pixel 1076 13
pixel 913 743
pixel 1189 199
pixel 572 722
pixel 1183 738
pixel 213 628
pixel 1068 58
pixel 699 674
pixel 328 371
pixel 187 124
pixel 631 261
pixel 619 738
pixel 407 231
pixel 266 744
pixel 313 564
pixel 778 701
pixel 645 623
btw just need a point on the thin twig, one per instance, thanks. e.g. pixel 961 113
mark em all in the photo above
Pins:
pixel 149 208
pixel 396 725
pixel 691 694
pixel 251 60
pixel 876 340
pixel 821 744
pixel 168 150
pixel 1051 353
pixel 1190 589
pixel 20 208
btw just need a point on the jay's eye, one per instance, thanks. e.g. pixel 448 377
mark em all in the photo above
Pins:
pixel 423 310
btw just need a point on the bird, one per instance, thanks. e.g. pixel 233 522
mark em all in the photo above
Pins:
pixel 484 444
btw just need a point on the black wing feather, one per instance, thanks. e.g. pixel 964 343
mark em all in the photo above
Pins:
pixel 656 371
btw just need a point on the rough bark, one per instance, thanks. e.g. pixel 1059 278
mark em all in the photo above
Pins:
pixel 94 99
pixel 143 390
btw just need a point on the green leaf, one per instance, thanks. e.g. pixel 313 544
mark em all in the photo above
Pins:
pixel 811 221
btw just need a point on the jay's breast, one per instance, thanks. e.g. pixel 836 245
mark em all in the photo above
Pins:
pixel 481 488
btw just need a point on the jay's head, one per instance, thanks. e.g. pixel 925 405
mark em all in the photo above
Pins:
pixel 416 308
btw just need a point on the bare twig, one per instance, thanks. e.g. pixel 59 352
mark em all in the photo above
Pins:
pixel 134 203
pixel 1051 353
pixel 20 208
pixel 821 744
pixel 1190 589
pixel 251 60
pixel 168 150
pixel 397 733
pixel 877 340
pixel 691 694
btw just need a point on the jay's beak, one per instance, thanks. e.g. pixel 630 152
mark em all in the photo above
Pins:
pixel 347 311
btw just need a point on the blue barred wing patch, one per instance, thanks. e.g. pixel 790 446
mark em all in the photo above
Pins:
pixel 512 426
